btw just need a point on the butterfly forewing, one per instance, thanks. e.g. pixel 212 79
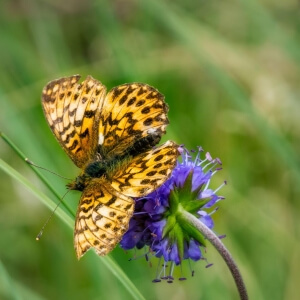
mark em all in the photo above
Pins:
pixel 102 218
pixel 131 112
pixel 72 110
pixel 147 171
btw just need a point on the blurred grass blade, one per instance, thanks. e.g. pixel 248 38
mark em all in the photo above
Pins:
pixel 35 170
pixel 42 197
pixel 111 264
pixel 265 21
pixel 7 288
pixel 12 289
pixel 107 261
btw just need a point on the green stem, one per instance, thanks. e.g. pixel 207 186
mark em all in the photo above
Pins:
pixel 37 172
pixel 216 242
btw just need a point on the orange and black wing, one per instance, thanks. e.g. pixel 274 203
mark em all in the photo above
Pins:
pixel 130 113
pixel 102 218
pixel 72 110
pixel 147 171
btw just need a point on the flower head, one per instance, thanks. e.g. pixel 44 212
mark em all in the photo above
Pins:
pixel 158 219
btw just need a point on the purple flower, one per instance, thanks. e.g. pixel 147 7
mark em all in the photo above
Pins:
pixel 157 222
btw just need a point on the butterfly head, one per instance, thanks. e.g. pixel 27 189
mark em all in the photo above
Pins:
pixel 79 183
pixel 94 169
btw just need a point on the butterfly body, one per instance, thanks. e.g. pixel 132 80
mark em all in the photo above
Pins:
pixel 111 137
pixel 98 168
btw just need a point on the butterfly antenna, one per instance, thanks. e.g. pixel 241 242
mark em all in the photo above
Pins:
pixel 33 164
pixel 42 230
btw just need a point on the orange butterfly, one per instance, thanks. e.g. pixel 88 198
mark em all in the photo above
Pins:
pixel 110 136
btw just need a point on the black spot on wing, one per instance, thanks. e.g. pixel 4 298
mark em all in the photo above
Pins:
pixel 158 158
pixel 140 103
pixel 148 122
pixel 131 101
pixel 145 110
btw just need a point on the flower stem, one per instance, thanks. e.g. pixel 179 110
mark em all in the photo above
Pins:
pixel 210 235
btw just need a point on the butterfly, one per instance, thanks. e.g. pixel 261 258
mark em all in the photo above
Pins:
pixel 111 138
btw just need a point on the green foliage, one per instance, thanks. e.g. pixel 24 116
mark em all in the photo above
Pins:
pixel 230 73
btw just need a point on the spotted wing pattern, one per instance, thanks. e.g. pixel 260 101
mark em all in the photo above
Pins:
pixel 131 112
pixel 147 171
pixel 72 110
pixel 102 218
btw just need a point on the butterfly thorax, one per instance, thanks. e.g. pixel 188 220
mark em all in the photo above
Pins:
pixel 97 169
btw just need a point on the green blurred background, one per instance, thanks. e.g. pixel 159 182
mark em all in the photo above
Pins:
pixel 230 73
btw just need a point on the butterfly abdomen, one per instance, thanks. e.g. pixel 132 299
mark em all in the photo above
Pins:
pixel 144 144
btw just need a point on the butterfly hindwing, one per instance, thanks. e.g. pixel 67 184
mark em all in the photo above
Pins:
pixel 147 171
pixel 131 112
pixel 102 218
pixel 72 110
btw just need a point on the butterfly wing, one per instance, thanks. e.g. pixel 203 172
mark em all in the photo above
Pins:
pixel 72 110
pixel 133 115
pixel 147 171
pixel 102 218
